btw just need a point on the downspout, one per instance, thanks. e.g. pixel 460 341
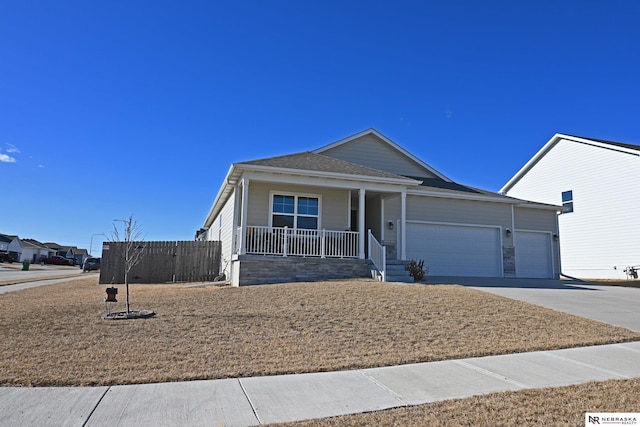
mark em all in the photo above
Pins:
pixel 557 249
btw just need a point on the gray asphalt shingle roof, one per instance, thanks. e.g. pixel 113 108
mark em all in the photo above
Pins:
pixel 440 186
pixel 320 163
pixel 604 141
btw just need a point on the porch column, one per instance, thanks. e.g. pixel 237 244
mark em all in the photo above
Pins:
pixel 243 217
pixel 236 219
pixel 361 194
pixel 403 225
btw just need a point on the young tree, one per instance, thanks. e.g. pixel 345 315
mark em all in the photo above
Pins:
pixel 131 236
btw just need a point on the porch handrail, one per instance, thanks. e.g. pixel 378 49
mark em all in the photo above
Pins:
pixel 285 241
pixel 377 254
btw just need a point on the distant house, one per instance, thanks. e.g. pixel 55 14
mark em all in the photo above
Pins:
pixel 597 182
pixel 11 244
pixel 33 250
pixel 306 216
pixel 80 255
pixel 4 242
pixel 63 251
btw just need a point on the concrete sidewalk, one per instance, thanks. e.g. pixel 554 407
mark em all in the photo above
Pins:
pixel 272 399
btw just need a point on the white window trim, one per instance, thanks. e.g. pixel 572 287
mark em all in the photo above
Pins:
pixel 564 204
pixel 295 204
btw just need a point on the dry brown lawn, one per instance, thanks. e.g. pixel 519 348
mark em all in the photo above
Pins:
pixel 560 406
pixel 55 335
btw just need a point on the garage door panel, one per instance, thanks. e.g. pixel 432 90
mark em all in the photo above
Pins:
pixel 533 254
pixel 451 250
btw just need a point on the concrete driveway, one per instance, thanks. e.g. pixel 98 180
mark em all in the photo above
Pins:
pixel 609 304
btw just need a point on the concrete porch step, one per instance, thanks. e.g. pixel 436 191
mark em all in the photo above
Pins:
pixel 396 272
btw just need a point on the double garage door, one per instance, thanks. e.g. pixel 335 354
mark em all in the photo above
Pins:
pixel 454 250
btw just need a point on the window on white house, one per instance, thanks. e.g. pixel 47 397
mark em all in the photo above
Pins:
pixel 295 212
pixel 567 201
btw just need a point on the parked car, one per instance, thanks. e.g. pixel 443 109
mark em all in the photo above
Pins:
pixel 6 256
pixel 91 264
pixel 57 260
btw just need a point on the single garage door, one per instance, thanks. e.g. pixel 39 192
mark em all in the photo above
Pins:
pixel 453 250
pixel 533 254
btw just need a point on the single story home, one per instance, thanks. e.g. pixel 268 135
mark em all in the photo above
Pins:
pixel 68 252
pixel 363 203
pixel 11 246
pixel 33 250
pixel 597 182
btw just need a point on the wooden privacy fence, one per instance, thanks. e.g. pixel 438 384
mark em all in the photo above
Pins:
pixel 163 262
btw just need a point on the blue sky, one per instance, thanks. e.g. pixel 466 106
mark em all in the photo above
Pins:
pixel 109 109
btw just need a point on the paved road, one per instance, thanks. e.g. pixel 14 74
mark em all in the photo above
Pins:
pixel 39 278
pixel 615 305
pixel 35 272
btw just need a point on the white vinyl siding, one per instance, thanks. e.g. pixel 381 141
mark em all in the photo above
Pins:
pixel 222 229
pixel 456 250
pixel 372 152
pixel 602 231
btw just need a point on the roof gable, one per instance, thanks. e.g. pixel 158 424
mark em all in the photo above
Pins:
pixel 35 243
pixel 372 149
pixel 557 138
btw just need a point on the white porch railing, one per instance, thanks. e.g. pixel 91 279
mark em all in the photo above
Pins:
pixel 284 241
pixel 377 255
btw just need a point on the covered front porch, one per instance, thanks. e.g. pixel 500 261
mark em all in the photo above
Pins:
pixel 268 220
pixel 268 253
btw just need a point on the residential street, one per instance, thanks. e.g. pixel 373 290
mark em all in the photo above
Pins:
pixel 13 278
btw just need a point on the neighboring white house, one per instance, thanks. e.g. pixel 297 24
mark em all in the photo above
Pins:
pixel 320 204
pixel 11 244
pixel 598 184
pixel 4 242
pixel 33 250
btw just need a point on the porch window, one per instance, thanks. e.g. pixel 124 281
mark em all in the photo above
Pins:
pixel 295 211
